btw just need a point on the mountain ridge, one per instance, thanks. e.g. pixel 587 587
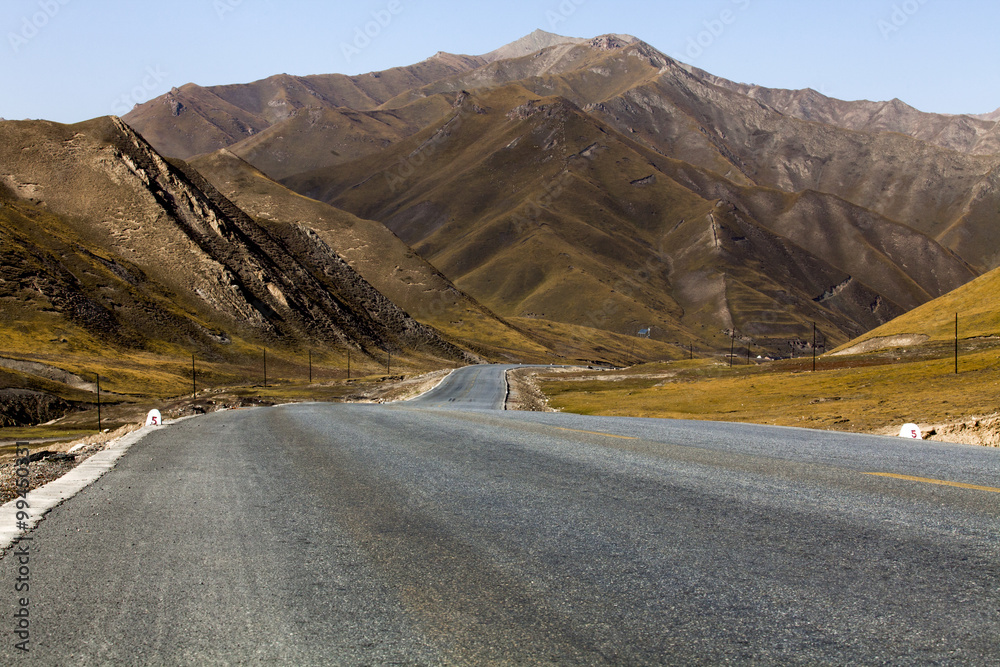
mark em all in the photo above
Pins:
pixel 891 206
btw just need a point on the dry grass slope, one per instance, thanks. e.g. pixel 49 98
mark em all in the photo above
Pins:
pixel 977 305
pixel 861 394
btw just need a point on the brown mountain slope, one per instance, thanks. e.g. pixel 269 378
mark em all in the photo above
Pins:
pixel 790 140
pixel 920 185
pixel 536 41
pixel 314 137
pixel 102 234
pixel 977 303
pixel 689 115
pixel 527 204
pixel 375 253
pixel 977 135
pixel 777 208
pixel 192 119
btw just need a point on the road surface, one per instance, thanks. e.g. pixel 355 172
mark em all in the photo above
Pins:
pixel 439 531
pixel 468 388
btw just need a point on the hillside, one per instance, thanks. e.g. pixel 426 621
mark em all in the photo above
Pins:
pixel 977 305
pixel 564 205
pixel 379 256
pixel 192 119
pixel 973 134
pixel 707 122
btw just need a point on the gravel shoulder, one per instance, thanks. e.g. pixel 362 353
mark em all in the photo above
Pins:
pixel 57 459
pixel 523 392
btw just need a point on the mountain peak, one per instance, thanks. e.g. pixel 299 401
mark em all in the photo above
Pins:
pixel 613 41
pixel 536 41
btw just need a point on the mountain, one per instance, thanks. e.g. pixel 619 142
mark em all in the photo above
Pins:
pixel 529 204
pixel 529 44
pixel 660 103
pixel 110 250
pixel 992 116
pixel 192 119
pixel 601 183
pixel 974 134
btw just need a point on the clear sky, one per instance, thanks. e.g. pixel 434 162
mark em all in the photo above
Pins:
pixel 70 60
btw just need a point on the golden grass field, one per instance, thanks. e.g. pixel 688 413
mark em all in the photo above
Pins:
pixel 869 393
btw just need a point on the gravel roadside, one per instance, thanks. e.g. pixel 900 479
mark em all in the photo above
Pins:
pixel 56 460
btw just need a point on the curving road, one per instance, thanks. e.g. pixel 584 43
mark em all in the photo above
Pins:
pixel 439 531
pixel 468 388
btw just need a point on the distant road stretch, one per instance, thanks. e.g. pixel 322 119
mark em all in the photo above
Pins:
pixel 469 388
pixel 443 531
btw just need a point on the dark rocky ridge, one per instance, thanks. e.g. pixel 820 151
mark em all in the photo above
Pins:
pixel 186 244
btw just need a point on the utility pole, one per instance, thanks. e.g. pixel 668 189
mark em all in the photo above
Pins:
pixel 348 363
pixel 732 347
pixel 956 343
pixel 194 387
pixel 310 366
pixel 814 347
pixel 99 402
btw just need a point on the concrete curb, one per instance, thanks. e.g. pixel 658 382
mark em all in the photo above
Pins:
pixel 44 498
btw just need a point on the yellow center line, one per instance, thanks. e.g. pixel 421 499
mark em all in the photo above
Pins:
pixel 927 480
pixel 607 435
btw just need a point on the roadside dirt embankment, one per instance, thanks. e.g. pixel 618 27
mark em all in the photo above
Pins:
pixel 983 431
pixel 523 392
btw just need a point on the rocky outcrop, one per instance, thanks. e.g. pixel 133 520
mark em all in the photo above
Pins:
pixel 25 407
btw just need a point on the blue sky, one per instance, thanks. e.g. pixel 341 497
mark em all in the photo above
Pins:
pixel 70 60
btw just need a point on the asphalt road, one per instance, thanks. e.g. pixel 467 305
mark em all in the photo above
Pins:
pixel 469 388
pixel 439 531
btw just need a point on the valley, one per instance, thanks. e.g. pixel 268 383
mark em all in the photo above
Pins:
pixel 559 200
